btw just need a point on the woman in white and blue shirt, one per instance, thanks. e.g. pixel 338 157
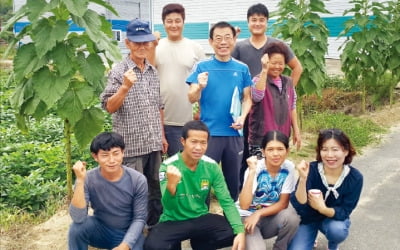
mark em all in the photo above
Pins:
pixel 264 200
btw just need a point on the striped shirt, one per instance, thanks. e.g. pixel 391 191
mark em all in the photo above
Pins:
pixel 138 119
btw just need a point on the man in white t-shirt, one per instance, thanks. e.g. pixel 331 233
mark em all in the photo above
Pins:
pixel 175 57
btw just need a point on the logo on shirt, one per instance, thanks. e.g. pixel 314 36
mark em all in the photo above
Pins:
pixel 235 74
pixel 161 176
pixel 204 184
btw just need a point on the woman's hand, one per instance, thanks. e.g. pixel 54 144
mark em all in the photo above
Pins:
pixel 303 167
pixel 251 222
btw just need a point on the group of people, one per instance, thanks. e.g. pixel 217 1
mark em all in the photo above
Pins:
pixel 237 150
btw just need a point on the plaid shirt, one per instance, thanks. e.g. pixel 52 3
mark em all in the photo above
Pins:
pixel 138 119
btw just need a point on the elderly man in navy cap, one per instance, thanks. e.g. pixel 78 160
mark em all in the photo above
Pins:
pixel 132 96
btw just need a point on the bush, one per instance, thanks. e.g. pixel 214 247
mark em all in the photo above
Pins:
pixel 361 132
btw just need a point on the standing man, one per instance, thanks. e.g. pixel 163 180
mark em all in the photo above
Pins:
pixel 186 179
pixel 214 82
pixel 117 194
pixel 132 96
pixel 251 49
pixel 250 52
pixel 175 57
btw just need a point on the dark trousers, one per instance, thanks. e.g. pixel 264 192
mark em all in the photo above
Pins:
pixel 246 153
pixel 173 135
pixel 149 165
pixel 207 232
pixel 229 151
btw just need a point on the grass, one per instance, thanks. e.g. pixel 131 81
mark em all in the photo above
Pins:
pixel 12 218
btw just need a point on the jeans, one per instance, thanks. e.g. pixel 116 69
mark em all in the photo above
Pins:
pixel 335 231
pixel 94 233
pixel 173 135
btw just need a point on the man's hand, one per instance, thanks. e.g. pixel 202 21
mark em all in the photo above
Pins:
pixel 202 79
pixel 164 145
pixel 129 78
pixel 173 178
pixel 173 175
pixel 80 170
pixel 122 246
pixel 239 123
pixel 239 242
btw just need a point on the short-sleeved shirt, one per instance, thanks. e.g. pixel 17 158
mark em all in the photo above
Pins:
pixel 266 189
pixel 138 120
pixel 216 97
pixel 245 52
pixel 174 62
pixel 189 201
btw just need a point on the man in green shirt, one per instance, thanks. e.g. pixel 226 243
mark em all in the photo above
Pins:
pixel 186 179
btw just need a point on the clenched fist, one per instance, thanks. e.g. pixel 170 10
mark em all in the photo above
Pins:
pixel 173 175
pixel 129 78
pixel 202 78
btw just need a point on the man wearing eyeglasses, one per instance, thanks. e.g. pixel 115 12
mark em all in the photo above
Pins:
pixel 221 84
pixel 132 96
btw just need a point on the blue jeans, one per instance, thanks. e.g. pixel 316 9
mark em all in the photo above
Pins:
pixel 94 233
pixel 173 135
pixel 336 231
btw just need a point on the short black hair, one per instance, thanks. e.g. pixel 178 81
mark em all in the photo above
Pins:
pixel 106 141
pixel 277 48
pixel 222 25
pixel 173 8
pixel 340 137
pixel 275 135
pixel 259 9
pixel 194 125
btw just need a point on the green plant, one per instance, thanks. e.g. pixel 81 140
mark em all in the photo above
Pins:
pixel 373 47
pixel 299 22
pixel 361 132
pixel 62 72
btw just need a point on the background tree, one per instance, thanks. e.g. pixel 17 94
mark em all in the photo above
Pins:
pixel 299 22
pixel 62 72
pixel 371 52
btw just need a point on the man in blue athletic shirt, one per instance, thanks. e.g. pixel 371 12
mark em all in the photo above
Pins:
pixel 213 82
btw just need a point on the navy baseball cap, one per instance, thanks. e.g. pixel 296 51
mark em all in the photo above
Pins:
pixel 139 31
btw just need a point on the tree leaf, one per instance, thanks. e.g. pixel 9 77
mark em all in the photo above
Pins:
pixel 92 68
pixel 106 5
pixel 63 58
pixel 46 35
pixel 21 93
pixel 49 86
pixel 318 6
pixel 26 61
pixel 75 99
pixel 89 126
pixel 76 7
pixel 35 9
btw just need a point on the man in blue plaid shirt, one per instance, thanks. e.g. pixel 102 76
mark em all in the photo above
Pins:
pixel 132 96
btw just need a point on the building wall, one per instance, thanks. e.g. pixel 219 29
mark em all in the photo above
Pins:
pixel 200 15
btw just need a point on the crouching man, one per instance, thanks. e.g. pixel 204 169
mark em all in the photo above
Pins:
pixel 186 179
pixel 117 195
